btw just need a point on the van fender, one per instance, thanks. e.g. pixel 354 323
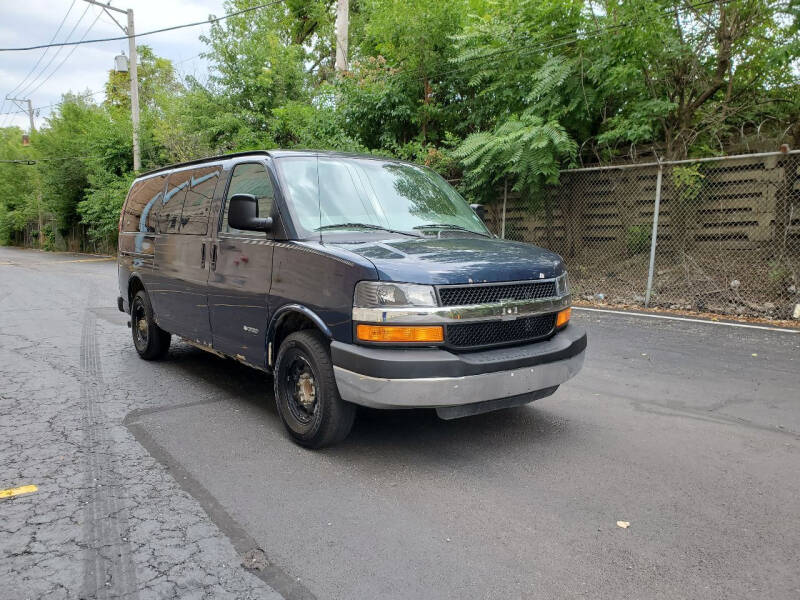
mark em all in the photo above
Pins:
pixel 283 312
pixel 133 277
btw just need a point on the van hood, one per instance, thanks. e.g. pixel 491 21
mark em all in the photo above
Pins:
pixel 456 260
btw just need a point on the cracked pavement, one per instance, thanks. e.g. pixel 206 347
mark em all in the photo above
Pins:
pixel 107 521
pixel 175 478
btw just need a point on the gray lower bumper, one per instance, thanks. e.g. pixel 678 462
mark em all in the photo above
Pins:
pixel 378 392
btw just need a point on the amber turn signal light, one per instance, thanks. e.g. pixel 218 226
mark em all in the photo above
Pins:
pixel 394 333
pixel 563 317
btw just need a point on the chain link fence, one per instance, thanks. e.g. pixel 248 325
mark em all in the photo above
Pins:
pixel 727 233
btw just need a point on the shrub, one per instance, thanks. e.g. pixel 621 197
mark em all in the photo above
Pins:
pixel 637 239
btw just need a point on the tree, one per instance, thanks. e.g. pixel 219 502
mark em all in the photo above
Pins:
pixel 18 186
pixel 256 67
pixel 524 148
pixel 493 91
pixel 414 37
pixel 681 75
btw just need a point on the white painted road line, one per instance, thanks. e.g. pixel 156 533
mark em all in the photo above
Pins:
pixel 671 318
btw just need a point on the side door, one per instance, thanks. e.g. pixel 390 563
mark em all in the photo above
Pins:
pixel 165 286
pixel 241 271
pixel 182 252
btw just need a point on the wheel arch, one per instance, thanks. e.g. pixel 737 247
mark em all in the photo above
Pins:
pixel 288 319
pixel 135 284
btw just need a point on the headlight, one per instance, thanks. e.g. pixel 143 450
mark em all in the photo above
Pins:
pixel 562 286
pixel 378 293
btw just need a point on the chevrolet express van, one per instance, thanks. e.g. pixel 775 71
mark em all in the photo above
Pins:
pixel 354 280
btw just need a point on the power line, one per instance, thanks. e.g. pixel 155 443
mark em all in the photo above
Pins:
pixel 180 62
pixel 55 55
pixel 41 57
pixel 524 51
pixel 46 50
pixel 66 58
pixel 138 35
pixel 54 104
pixel 30 91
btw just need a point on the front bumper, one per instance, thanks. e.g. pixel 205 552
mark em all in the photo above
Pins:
pixel 435 378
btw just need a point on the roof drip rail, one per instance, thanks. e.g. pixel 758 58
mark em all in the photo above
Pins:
pixel 199 161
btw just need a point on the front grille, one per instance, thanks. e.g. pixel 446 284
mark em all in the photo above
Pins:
pixel 495 333
pixel 484 294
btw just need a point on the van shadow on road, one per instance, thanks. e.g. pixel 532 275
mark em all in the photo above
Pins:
pixel 376 432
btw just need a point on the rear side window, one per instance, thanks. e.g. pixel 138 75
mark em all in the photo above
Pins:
pixel 249 178
pixel 169 214
pixel 138 211
pixel 197 200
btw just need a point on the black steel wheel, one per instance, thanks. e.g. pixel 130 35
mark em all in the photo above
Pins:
pixel 150 341
pixel 306 395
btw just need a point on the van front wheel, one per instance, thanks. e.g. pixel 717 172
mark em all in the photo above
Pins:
pixel 306 394
pixel 150 341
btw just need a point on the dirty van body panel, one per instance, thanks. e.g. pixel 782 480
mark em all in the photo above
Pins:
pixel 136 247
pixel 166 287
pixel 134 264
pixel 321 278
pixel 237 294
pixel 180 274
pixel 178 291
pixel 240 265
pixel 463 260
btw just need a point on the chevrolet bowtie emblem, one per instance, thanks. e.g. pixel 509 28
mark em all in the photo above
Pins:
pixel 509 313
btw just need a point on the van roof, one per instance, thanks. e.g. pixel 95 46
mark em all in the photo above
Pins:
pixel 272 153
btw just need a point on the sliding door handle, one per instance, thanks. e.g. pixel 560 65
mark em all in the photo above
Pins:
pixel 213 257
pixel 203 255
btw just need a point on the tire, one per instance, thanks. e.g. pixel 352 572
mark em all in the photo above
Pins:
pixel 306 395
pixel 150 341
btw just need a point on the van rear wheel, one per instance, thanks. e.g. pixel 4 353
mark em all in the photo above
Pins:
pixel 150 341
pixel 306 395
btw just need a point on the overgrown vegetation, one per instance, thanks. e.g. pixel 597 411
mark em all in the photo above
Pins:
pixel 489 91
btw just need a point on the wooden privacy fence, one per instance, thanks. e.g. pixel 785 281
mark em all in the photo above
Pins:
pixel 727 231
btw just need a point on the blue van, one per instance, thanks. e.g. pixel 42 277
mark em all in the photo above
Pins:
pixel 354 280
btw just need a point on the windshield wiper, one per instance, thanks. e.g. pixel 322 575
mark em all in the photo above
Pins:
pixel 365 226
pixel 449 226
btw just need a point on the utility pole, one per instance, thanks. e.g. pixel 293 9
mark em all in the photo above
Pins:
pixel 29 109
pixel 134 76
pixel 132 71
pixel 342 26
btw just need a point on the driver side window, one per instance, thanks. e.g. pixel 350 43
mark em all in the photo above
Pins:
pixel 249 178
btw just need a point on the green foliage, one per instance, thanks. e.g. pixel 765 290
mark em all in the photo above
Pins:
pixel 18 200
pixel 301 125
pixel 637 239
pixel 688 182
pixel 524 148
pixel 490 92
pixel 102 205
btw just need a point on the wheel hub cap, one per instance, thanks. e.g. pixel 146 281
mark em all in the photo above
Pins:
pixel 306 390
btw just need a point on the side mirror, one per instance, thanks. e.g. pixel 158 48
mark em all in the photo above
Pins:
pixel 243 214
pixel 480 210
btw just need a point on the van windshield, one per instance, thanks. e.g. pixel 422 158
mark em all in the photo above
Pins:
pixel 327 194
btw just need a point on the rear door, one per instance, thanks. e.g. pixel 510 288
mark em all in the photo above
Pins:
pixel 241 270
pixel 138 230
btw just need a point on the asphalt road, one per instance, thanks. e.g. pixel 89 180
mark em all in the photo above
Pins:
pixel 160 479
